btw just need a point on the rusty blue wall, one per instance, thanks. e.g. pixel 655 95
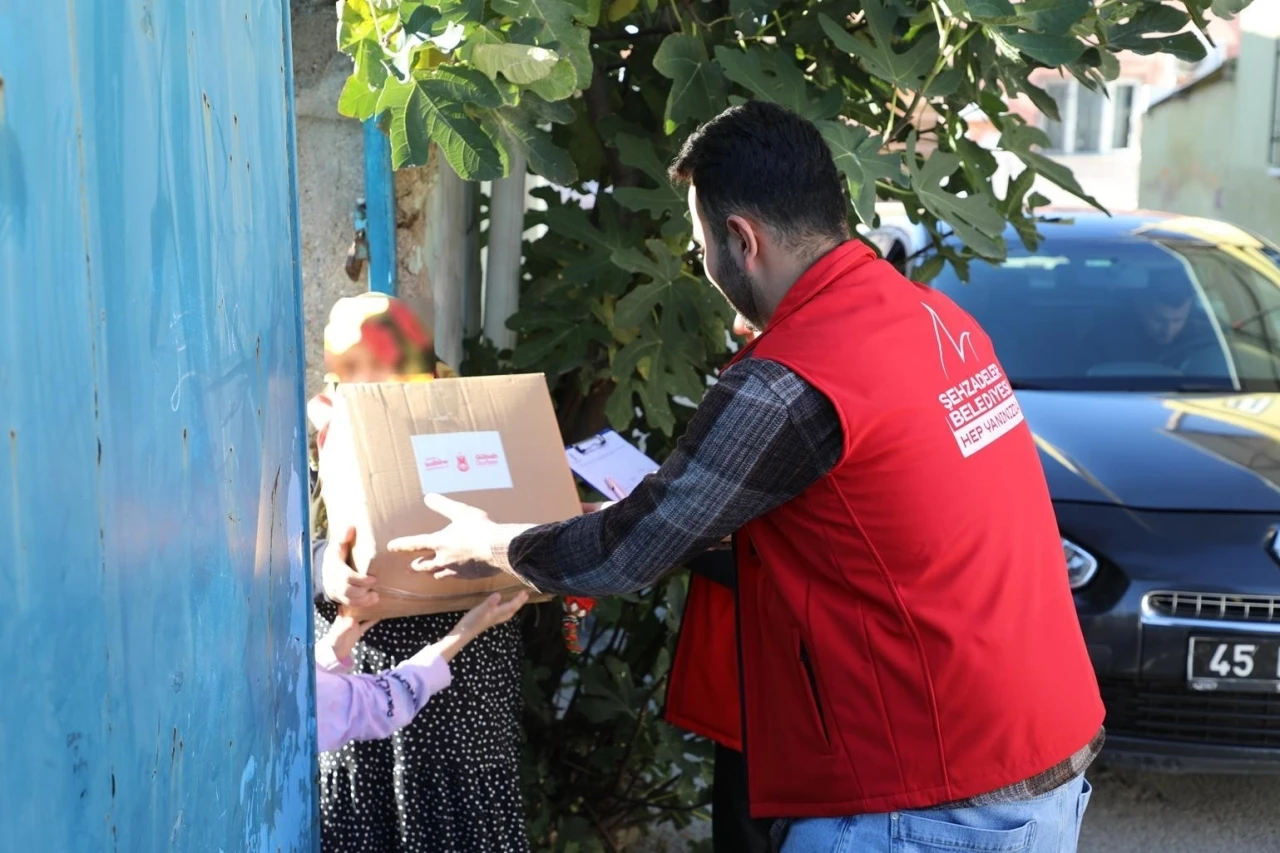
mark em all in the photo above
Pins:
pixel 154 619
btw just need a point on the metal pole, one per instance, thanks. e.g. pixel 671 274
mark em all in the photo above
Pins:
pixel 380 201
pixel 506 229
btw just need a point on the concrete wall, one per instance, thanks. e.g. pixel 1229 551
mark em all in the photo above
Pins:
pixel 331 179
pixel 1205 151
pixel 330 172
pixel 1185 170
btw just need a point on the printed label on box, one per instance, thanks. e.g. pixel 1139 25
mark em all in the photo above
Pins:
pixel 461 462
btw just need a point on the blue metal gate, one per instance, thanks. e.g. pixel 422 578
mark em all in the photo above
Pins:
pixel 154 615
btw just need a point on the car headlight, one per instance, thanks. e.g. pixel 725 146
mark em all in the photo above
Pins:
pixel 1081 565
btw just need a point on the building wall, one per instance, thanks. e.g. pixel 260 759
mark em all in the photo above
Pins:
pixel 1111 175
pixel 1206 149
pixel 1184 170
pixel 330 173
pixel 157 616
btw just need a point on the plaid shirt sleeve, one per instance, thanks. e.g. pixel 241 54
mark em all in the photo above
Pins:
pixel 761 436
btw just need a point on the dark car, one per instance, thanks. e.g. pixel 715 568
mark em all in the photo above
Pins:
pixel 1146 354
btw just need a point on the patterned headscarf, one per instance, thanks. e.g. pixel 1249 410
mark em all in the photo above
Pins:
pixel 387 327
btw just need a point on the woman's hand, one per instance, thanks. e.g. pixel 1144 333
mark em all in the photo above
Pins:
pixel 342 583
pixel 492 612
pixel 345 632
pixel 478 619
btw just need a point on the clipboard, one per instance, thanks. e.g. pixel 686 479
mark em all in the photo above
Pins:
pixel 610 464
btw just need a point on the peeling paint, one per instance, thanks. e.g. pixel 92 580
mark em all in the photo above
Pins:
pixel 177 628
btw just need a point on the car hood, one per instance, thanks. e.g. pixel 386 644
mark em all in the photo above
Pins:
pixel 1159 451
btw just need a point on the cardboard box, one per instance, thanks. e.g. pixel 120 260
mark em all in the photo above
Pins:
pixel 491 442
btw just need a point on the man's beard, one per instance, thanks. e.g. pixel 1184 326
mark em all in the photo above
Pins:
pixel 735 285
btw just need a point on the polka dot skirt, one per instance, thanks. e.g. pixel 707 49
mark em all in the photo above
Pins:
pixel 449 782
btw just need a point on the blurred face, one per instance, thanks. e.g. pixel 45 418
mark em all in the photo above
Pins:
pixel 1163 323
pixel 358 364
pixel 723 267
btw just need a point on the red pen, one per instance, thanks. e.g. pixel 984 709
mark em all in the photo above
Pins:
pixel 614 487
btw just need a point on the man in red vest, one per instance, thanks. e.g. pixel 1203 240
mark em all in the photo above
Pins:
pixel 911 669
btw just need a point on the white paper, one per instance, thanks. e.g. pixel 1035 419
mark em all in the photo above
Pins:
pixel 610 464
pixel 451 462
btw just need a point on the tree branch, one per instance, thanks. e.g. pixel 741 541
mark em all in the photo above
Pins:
pixel 647 32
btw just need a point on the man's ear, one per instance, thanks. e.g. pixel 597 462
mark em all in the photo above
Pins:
pixel 744 241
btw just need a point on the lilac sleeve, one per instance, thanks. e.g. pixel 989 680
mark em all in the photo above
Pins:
pixel 370 707
pixel 328 660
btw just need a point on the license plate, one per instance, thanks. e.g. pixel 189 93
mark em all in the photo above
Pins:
pixel 1234 664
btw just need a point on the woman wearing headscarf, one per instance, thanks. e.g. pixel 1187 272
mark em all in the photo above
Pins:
pixel 450 781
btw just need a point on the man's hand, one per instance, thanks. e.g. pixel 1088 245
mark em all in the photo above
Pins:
pixel 342 583
pixel 464 549
pixel 589 507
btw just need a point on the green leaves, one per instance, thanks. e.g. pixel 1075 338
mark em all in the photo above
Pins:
pixel 772 76
pixel 663 202
pixel 521 64
pixel 449 75
pixel 858 157
pixel 434 109
pixel 1133 34
pixel 1043 30
pixel 698 86
pixel 973 217
pixel 1048 48
pixel 663 270
pixel 518 127
pixel 1053 17
pixel 667 354
pixel 561 26
pixel 906 69
pixel 358 100
pixel 986 10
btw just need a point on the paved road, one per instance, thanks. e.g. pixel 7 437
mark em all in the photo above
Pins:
pixel 1146 813
pixel 1137 812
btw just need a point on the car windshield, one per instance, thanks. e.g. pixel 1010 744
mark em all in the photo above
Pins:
pixel 1147 311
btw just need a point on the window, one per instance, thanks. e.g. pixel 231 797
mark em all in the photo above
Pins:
pixel 1122 126
pixel 1273 150
pixel 1059 92
pixel 1092 122
pixel 1090 107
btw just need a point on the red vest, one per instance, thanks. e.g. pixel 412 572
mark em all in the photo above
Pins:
pixel 906 633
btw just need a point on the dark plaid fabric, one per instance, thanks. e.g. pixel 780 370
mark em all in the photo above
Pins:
pixel 761 436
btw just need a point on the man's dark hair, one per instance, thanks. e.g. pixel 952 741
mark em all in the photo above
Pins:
pixel 763 161
pixel 1171 294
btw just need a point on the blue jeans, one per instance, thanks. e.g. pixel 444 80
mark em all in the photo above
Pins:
pixel 1049 823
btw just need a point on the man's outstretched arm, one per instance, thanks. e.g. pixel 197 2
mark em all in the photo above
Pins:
pixel 761 436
